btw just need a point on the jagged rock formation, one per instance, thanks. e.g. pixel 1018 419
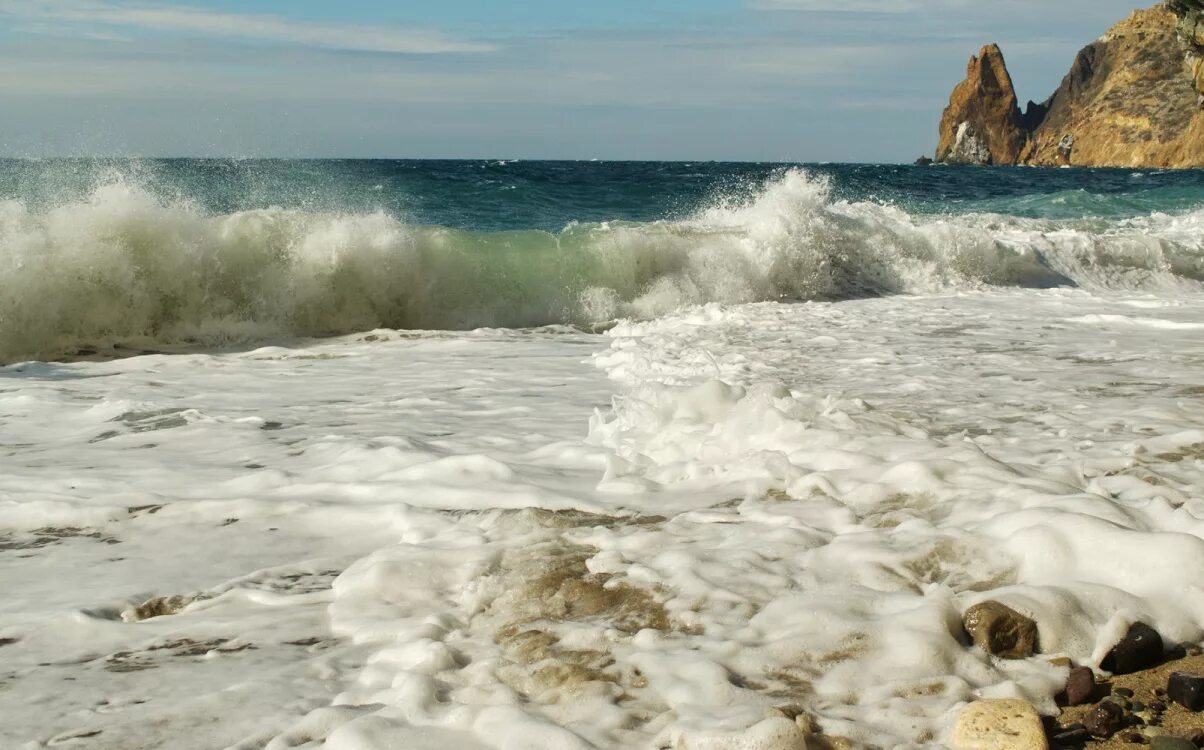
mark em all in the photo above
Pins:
pixel 983 124
pixel 1132 98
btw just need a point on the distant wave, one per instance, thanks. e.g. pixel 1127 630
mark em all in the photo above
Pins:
pixel 124 265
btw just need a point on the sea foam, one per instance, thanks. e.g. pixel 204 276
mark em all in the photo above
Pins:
pixel 424 540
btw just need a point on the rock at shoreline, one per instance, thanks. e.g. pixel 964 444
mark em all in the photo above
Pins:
pixel 1132 98
pixel 1080 686
pixel 1148 714
pixel 998 725
pixel 1187 690
pixel 1106 719
pixel 159 606
pixel 1000 630
pixel 1141 648
pixel 1171 743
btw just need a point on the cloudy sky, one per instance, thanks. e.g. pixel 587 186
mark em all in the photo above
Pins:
pixel 779 80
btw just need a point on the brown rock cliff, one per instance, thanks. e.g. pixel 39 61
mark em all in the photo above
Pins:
pixel 983 124
pixel 1132 98
pixel 1191 32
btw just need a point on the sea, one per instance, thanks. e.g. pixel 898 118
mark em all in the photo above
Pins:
pixel 522 455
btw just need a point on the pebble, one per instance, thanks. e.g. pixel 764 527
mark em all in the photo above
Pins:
pixel 998 725
pixel 1080 686
pixel 1171 743
pixel 1123 692
pixel 1119 700
pixel 1105 719
pixel 1000 630
pixel 1187 690
pixel 1140 649
pixel 1073 734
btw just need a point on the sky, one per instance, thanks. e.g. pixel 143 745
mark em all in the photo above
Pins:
pixel 749 80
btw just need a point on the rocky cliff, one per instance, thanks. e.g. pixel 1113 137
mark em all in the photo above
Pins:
pixel 1132 98
pixel 983 123
pixel 1191 30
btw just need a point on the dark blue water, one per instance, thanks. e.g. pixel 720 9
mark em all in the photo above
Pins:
pixel 498 195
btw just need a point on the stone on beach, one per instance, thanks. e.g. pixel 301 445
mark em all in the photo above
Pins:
pixel 158 606
pixel 998 725
pixel 1107 718
pixel 1187 690
pixel 1080 686
pixel 1141 648
pixel 1000 630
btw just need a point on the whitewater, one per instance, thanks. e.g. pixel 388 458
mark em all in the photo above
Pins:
pixel 720 474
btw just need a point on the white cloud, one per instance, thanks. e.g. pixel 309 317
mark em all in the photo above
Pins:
pixel 69 31
pixel 192 20
pixel 584 70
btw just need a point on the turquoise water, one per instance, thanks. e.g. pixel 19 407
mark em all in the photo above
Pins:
pixel 209 252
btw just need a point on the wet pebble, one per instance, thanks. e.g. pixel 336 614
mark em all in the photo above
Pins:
pixel 1080 685
pixel 1000 630
pixel 1187 690
pixel 1072 734
pixel 1140 648
pixel 1105 719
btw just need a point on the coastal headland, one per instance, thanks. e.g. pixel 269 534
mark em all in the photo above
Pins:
pixel 1133 98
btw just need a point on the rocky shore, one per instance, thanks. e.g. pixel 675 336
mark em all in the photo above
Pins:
pixel 1132 98
pixel 1145 713
pixel 1144 692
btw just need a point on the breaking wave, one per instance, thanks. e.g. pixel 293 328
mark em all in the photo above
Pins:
pixel 124 265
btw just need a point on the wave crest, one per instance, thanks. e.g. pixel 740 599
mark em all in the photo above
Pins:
pixel 126 266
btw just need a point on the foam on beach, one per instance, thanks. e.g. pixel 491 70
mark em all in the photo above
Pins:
pixel 731 527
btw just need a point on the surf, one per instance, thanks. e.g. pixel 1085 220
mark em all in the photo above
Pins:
pixel 126 265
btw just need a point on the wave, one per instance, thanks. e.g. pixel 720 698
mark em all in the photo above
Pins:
pixel 1070 204
pixel 124 265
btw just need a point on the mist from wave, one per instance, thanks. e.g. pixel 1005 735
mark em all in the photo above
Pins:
pixel 125 264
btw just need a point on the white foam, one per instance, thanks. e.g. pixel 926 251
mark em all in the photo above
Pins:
pixel 1132 320
pixel 493 539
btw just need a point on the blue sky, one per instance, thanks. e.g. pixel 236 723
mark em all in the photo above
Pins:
pixel 779 80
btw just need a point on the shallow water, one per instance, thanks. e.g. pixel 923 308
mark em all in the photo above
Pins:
pixel 716 514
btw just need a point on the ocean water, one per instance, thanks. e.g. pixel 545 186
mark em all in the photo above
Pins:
pixel 519 455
